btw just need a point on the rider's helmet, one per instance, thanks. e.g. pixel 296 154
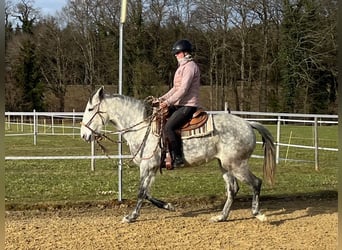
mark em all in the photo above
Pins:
pixel 182 46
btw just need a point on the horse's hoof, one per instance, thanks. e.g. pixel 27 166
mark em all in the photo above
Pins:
pixel 218 218
pixel 170 207
pixel 261 217
pixel 127 219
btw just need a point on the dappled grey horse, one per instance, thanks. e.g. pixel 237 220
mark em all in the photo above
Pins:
pixel 232 143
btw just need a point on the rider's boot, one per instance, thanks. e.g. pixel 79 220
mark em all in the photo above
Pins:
pixel 177 159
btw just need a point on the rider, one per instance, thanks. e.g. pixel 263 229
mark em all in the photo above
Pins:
pixel 182 99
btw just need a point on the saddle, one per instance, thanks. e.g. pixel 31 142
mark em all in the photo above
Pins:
pixel 198 119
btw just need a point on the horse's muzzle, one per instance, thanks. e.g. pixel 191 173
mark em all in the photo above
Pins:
pixel 87 137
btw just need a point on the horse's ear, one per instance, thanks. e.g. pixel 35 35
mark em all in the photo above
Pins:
pixel 100 93
pixel 97 95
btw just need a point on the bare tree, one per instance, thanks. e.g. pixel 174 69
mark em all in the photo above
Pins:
pixel 53 52
pixel 80 17
pixel 26 14
pixel 212 18
pixel 8 12
pixel 243 19
pixel 268 19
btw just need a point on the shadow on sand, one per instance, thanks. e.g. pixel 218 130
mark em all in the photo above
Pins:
pixel 324 202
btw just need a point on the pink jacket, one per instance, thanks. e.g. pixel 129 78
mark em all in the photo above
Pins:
pixel 186 83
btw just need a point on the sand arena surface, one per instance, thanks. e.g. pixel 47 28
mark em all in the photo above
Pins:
pixel 292 224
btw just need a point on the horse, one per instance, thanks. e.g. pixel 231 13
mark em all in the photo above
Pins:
pixel 232 143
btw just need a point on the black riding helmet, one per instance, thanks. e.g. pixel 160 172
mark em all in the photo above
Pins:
pixel 182 46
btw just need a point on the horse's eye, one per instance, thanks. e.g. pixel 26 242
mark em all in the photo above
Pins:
pixel 90 109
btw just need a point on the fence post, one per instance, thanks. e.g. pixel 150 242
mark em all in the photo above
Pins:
pixel 8 122
pixel 44 125
pixel 278 140
pixel 92 155
pixel 316 144
pixel 34 128
pixel 73 123
pixel 22 123
pixel 52 125
pixel 120 168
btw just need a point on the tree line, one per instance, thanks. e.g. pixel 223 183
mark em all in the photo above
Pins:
pixel 257 55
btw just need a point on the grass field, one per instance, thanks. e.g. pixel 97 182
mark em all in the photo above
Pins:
pixel 60 182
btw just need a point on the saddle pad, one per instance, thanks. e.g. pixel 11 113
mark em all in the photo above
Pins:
pixel 204 130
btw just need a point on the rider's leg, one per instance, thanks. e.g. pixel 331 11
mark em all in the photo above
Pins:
pixel 179 117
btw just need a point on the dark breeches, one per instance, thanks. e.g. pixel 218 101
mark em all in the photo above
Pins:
pixel 179 116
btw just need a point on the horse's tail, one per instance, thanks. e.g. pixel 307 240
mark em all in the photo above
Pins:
pixel 269 152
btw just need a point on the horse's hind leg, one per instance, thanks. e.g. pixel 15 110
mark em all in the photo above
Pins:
pixel 232 189
pixel 255 202
pixel 245 175
pixel 256 186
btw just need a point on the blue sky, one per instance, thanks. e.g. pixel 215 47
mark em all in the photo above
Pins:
pixel 49 6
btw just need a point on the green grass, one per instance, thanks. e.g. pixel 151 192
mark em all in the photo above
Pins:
pixel 303 135
pixel 29 182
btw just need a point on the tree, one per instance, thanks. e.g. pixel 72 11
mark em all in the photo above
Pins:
pixel 243 21
pixel 306 77
pixel 212 19
pixel 52 51
pixel 23 66
pixel 27 15
pixel 28 77
pixel 245 49
pixel 266 37
pixel 81 21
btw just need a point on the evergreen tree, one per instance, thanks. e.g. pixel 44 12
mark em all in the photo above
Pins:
pixel 28 78
pixel 27 69
pixel 289 56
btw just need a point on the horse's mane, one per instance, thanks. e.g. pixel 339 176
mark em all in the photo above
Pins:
pixel 144 106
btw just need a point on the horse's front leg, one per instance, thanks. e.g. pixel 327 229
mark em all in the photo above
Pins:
pixel 146 179
pixel 160 203
pixel 141 196
pixel 147 174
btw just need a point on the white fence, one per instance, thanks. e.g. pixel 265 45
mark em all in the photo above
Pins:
pixel 68 124
pixel 46 120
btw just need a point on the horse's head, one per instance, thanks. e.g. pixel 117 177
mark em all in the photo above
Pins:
pixel 94 116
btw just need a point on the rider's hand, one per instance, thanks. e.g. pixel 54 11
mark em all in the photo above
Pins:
pixel 163 105
pixel 155 102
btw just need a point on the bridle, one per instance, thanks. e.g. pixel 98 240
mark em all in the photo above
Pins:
pixel 99 136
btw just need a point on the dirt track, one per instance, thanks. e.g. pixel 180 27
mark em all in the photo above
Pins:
pixel 292 224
